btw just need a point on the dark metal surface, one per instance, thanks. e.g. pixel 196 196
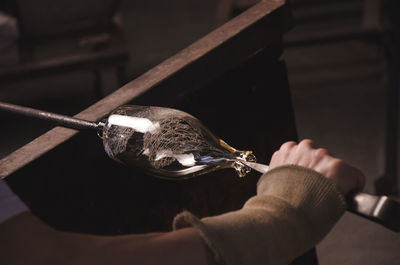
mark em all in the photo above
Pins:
pixel 379 209
pixel 62 120
pixel 190 69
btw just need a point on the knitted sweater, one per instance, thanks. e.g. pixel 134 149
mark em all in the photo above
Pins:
pixel 294 209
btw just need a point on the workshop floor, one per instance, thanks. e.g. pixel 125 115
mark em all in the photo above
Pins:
pixel 338 94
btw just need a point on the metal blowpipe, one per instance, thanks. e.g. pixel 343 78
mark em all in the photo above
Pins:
pixel 199 153
pixel 62 120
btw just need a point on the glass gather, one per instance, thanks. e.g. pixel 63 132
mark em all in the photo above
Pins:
pixel 168 143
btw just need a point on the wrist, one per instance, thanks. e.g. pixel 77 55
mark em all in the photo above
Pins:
pixel 306 190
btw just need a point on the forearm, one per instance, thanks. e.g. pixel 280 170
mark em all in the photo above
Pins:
pixel 296 208
pixel 24 239
pixel 172 248
pixel 27 240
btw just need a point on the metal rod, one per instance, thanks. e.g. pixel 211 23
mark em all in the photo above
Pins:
pixel 63 120
pixel 379 209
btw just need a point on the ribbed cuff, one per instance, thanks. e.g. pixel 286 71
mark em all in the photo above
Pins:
pixel 187 219
pixel 306 190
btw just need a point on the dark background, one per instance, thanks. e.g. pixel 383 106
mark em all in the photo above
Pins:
pixel 339 86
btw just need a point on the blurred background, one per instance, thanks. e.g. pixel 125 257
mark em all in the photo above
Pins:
pixel 342 60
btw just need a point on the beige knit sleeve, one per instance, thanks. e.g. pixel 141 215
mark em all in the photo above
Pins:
pixel 294 209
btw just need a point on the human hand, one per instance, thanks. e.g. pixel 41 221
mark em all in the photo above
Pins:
pixel 346 177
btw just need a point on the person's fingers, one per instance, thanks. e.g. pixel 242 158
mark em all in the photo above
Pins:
pixel 277 159
pixel 284 153
pixel 317 155
pixel 307 155
pixel 347 177
pixel 280 157
pixel 307 144
pixel 361 180
pixel 320 153
pixel 303 156
pixel 329 167
pixel 287 146
pixel 357 176
pixel 275 155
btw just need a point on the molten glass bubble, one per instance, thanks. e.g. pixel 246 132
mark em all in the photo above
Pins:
pixel 168 143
